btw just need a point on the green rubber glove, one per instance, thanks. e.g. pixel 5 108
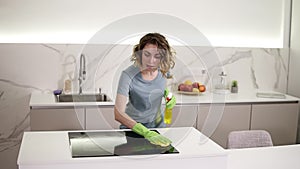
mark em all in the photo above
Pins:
pixel 152 136
pixel 171 103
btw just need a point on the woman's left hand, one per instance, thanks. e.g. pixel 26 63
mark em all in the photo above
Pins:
pixel 170 102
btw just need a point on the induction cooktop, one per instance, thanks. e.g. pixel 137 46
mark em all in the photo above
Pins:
pixel 113 143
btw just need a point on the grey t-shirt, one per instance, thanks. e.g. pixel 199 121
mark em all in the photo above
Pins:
pixel 145 97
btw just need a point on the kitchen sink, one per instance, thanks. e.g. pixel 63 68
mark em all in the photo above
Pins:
pixel 83 98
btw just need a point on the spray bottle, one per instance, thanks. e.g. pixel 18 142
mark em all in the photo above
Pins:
pixel 168 112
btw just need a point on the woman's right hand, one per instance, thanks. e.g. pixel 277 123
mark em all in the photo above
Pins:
pixel 152 136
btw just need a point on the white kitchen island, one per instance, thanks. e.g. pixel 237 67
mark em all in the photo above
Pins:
pixel 276 157
pixel 51 149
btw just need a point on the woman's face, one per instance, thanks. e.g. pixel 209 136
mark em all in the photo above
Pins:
pixel 150 57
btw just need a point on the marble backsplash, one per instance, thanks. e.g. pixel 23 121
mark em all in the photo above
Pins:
pixel 27 68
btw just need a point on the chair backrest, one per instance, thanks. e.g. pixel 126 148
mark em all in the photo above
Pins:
pixel 249 139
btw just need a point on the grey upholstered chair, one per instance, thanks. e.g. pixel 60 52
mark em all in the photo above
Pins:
pixel 249 139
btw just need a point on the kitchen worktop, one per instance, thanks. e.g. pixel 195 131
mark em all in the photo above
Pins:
pixel 52 150
pixel 40 100
pixel 275 157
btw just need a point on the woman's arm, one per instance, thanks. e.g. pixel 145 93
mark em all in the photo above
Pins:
pixel 122 117
pixel 119 111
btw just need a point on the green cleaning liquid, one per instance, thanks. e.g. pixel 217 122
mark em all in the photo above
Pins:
pixel 168 112
pixel 168 116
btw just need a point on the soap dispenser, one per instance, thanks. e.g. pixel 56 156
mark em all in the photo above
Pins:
pixel 222 86
pixel 223 80
pixel 67 85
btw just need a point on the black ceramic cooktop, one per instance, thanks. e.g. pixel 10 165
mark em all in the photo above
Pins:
pixel 113 143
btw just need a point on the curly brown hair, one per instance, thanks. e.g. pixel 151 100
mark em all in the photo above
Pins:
pixel 167 53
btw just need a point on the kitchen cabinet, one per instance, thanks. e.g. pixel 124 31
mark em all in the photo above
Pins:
pixel 101 118
pixel 89 118
pixel 280 120
pixel 241 112
pixel 57 119
pixel 184 116
pixel 218 120
pixel 98 118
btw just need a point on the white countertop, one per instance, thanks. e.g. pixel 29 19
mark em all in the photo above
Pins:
pixel 52 149
pixel 40 100
pixel 247 97
pixel 277 157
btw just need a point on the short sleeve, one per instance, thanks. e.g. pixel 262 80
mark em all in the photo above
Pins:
pixel 124 84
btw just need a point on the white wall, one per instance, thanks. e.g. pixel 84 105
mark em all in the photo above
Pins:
pixel 233 23
pixel 294 78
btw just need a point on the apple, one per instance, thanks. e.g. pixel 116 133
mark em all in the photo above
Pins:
pixel 186 88
pixel 195 85
pixel 180 86
pixel 189 88
pixel 202 88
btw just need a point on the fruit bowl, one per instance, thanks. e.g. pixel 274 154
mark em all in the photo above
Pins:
pixel 189 93
pixel 190 88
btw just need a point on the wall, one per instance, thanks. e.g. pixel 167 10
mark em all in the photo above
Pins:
pixel 241 23
pixel 294 80
pixel 27 68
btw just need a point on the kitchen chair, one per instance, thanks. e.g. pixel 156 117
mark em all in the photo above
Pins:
pixel 249 139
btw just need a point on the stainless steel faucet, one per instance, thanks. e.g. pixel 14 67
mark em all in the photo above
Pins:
pixel 82 72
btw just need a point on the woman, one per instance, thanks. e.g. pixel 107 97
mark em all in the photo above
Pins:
pixel 142 87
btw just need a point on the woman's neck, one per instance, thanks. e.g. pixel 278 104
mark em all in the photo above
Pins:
pixel 149 75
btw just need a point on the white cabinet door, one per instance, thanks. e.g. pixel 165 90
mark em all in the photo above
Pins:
pixel 101 118
pixel 217 121
pixel 184 116
pixel 57 119
pixel 280 120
